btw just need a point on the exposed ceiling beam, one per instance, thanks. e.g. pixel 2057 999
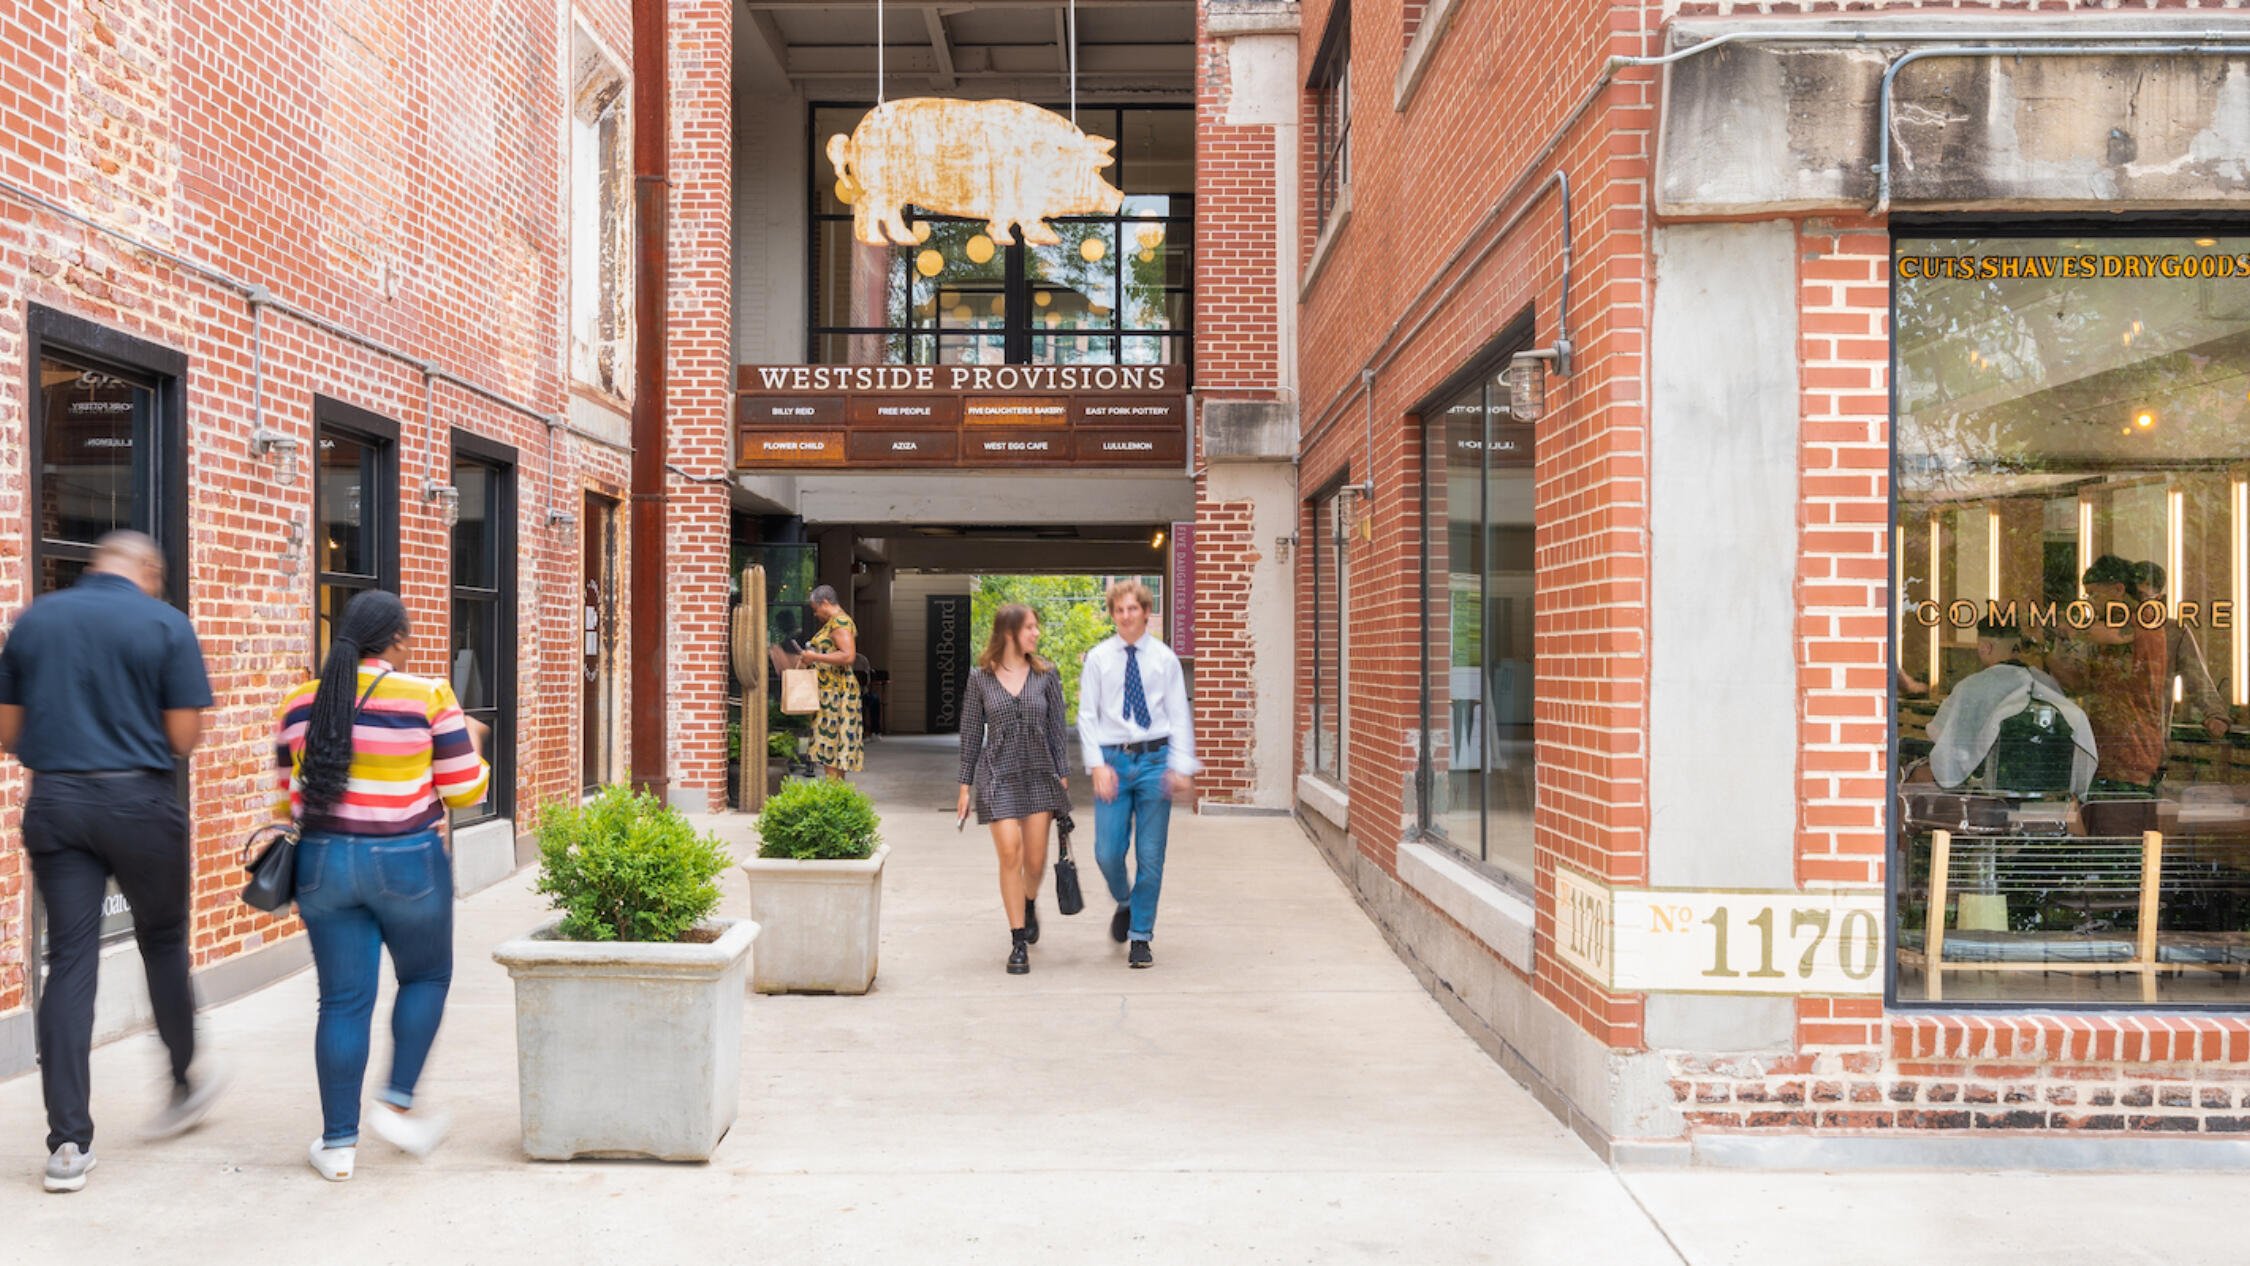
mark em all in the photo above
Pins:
pixel 981 61
pixel 940 47
pixel 770 50
pixel 869 5
pixel 1062 42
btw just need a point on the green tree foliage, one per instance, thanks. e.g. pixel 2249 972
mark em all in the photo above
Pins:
pixel 819 819
pixel 625 867
pixel 1071 618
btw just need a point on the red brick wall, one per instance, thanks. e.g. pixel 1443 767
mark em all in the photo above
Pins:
pixel 1238 356
pixel 397 170
pixel 700 357
pixel 1499 84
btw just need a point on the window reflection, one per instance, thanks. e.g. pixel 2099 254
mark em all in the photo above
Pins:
pixel 1114 289
pixel 2073 440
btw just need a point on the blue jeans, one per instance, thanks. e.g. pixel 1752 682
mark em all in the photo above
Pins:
pixel 357 894
pixel 1140 817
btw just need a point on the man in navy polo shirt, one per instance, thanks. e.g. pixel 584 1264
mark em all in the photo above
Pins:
pixel 101 690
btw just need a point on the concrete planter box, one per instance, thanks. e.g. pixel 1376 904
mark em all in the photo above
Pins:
pixel 628 1049
pixel 821 922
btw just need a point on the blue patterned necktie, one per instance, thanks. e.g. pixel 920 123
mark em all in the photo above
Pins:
pixel 1136 698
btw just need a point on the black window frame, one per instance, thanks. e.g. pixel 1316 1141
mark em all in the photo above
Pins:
pixel 1909 228
pixel 1477 372
pixel 332 417
pixel 1329 90
pixel 502 463
pixel 1016 287
pixel 1328 560
pixel 164 371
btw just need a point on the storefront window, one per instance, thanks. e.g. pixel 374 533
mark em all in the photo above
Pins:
pixel 1117 290
pixel 355 509
pixel 1479 781
pixel 484 615
pixel 1331 593
pixel 2071 543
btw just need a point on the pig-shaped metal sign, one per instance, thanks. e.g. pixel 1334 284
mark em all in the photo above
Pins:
pixel 1004 162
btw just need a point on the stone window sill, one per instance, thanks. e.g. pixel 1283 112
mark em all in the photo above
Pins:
pixel 1496 915
pixel 1317 794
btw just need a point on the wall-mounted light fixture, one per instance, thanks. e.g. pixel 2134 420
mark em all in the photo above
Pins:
pixel 1282 545
pixel 448 497
pixel 281 449
pixel 562 520
pixel 1526 377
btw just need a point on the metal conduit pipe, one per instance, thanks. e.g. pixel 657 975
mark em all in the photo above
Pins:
pixel 2136 40
pixel 1886 98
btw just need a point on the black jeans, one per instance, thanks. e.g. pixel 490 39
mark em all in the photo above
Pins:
pixel 79 831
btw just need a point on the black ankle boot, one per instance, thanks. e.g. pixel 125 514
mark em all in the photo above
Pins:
pixel 1031 920
pixel 1019 958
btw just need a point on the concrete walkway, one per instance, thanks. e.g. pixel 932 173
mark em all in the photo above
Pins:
pixel 1278 1089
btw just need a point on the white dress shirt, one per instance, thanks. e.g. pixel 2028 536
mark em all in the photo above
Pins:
pixel 1101 703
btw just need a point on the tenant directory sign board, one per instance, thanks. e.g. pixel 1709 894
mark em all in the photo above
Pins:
pixel 908 417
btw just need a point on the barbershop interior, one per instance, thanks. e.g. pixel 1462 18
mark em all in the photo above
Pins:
pixel 2072 560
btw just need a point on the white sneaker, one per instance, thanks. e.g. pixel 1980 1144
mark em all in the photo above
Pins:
pixel 332 1163
pixel 417 1132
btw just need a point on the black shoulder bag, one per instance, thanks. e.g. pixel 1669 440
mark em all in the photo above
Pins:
pixel 273 875
pixel 1068 898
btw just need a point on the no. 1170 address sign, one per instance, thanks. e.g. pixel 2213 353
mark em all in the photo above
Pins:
pixel 1693 940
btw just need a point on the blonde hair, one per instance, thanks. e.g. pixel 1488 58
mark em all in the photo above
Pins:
pixel 1134 588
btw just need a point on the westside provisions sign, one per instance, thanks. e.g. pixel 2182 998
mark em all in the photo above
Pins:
pixel 902 417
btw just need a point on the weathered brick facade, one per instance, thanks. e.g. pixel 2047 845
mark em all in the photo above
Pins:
pixel 396 172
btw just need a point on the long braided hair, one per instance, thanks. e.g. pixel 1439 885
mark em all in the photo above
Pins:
pixel 372 622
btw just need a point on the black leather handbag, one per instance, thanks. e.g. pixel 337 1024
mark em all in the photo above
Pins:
pixel 273 874
pixel 1068 898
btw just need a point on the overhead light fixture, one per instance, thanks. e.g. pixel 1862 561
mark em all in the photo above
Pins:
pixel 929 263
pixel 282 449
pixel 2144 419
pixel 2206 241
pixel 979 250
pixel 1092 250
pixel 1157 541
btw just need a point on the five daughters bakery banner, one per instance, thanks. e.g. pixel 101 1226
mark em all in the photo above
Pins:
pixel 905 417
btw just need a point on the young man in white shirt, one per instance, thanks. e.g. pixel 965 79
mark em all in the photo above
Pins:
pixel 1139 740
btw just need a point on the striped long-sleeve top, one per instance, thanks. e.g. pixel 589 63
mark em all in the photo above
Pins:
pixel 411 757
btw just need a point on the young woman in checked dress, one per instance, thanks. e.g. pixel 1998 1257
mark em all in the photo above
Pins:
pixel 1014 767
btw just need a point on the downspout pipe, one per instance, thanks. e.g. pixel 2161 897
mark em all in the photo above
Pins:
pixel 648 618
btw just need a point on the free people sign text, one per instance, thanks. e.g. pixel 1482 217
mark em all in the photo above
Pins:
pixel 1683 940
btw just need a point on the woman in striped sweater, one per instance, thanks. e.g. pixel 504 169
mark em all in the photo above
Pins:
pixel 369 760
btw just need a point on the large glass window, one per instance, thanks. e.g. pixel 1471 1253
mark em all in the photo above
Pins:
pixel 2072 447
pixel 1117 290
pixel 1330 94
pixel 484 615
pixel 1479 771
pixel 1331 591
pixel 355 510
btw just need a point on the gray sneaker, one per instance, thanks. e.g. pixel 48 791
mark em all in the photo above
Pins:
pixel 67 1168
pixel 187 1105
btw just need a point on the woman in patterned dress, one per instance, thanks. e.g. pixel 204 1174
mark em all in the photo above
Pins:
pixel 1014 767
pixel 837 742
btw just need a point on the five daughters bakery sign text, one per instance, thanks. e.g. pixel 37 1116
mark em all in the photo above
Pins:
pixel 904 417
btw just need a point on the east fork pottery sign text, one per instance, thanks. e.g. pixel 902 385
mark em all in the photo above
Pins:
pixel 1678 940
